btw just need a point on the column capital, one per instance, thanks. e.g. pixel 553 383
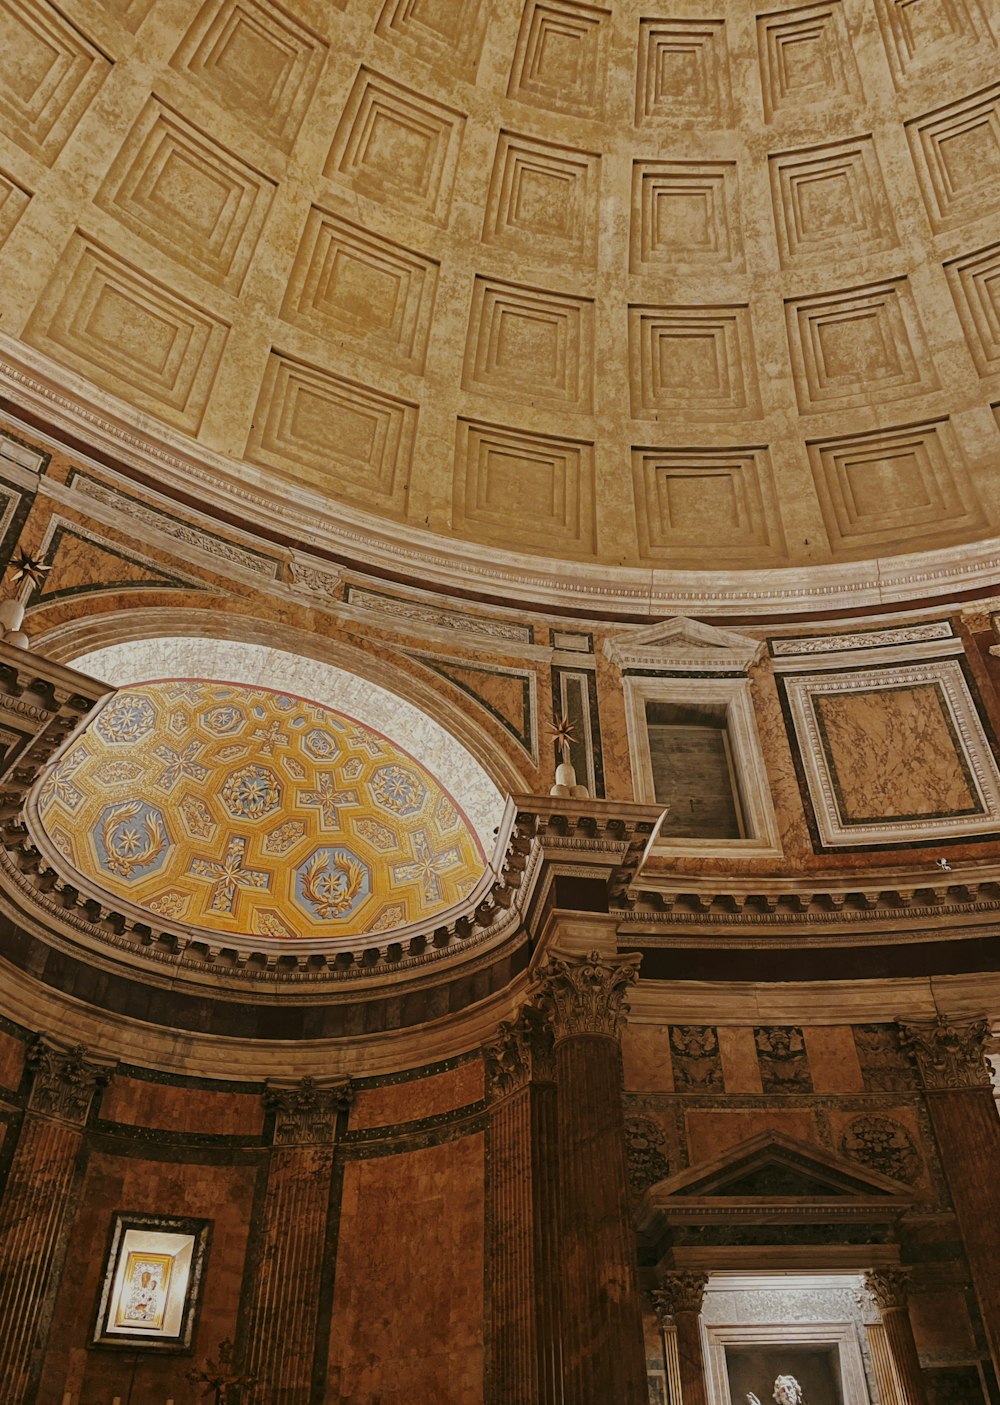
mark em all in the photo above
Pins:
pixel 64 1081
pixel 683 1291
pixel 520 1053
pixel 586 995
pixel 949 1053
pixel 305 1113
pixel 890 1287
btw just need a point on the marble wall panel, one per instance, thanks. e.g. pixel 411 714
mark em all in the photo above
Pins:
pixel 412 1098
pixel 407 1325
pixel 11 1060
pixel 894 755
pixel 139 1103
pixel 136 1181
pixel 711 1132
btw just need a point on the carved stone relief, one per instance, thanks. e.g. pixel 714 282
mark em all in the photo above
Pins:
pixel 781 1054
pixel 694 1053
pixel 883 1145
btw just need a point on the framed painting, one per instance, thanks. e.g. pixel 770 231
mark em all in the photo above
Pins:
pixel 151 1286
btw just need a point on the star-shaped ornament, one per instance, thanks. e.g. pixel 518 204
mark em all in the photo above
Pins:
pixel 563 731
pixel 24 567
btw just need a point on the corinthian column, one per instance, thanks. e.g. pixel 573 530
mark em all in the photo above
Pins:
pixel 604 1355
pixel 890 1289
pixel 681 1296
pixel 38 1204
pixel 521 1210
pixel 951 1058
pixel 281 1336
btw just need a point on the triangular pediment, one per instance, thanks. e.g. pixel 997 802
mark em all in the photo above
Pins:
pixel 683 644
pixel 780 1177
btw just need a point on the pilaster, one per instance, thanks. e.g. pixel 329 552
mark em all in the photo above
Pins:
pixel 950 1055
pixel 890 1289
pixel 681 1295
pixel 603 1347
pixel 525 1365
pixel 281 1337
pixel 37 1204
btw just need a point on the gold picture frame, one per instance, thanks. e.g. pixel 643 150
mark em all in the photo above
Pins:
pixel 142 1304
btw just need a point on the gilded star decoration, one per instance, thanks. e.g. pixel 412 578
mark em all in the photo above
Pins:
pixel 24 567
pixel 563 732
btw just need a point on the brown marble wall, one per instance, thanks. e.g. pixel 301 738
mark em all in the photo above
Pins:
pixel 395 1238
pixel 408 1301
pixel 118 1179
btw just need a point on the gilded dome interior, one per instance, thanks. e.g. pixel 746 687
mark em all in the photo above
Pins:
pixel 252 812
pixel 562 279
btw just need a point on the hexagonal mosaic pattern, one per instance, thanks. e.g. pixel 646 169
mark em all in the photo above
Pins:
pixel 252 812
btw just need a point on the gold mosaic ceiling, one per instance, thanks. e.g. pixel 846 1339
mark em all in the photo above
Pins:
pixel 684 289
pixel 247 811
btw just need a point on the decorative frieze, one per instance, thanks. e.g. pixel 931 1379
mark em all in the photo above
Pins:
pixel 949 1054
pixel 587 995
pixel 64 1080
pixel 521 1053
pixel 306 1112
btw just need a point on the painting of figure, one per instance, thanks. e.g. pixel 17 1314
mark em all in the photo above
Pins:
pixel 144 1294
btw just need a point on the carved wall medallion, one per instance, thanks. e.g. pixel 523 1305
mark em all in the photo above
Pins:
pixel 883 1145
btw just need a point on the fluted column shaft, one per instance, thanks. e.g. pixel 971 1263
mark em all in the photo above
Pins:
pixel 890 1288
pixel 32 1218
pixel 37 1206
pixel 903 1350
pixel 603 1346
pixel 526 1366
pixel 602 1319
pixel 691 1357
pixel 963 1113
pixel 282 1324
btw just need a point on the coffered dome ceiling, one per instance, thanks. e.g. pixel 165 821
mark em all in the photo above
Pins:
pixel 683 291
pixel 247 811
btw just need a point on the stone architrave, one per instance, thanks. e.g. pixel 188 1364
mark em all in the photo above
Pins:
pixel 602 1334
pixel 681 1296
pixel 281 1336
pixel 38 1202
pixel 522 1215
pixel 889 1288
pixel 950 1055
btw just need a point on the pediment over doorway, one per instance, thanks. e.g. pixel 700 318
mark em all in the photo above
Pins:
pixel 683 645
pixel 773 1179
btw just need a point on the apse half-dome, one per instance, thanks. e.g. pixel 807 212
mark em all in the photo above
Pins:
pixel 248 811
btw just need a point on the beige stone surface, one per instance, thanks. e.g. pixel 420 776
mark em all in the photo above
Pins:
pixel 687 291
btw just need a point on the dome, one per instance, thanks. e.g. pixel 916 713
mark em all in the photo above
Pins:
pixel 553 295
pixel 246 811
